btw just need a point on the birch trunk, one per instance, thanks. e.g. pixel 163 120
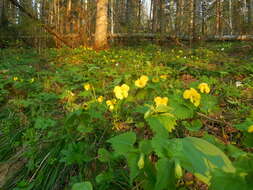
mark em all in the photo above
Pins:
pixel 101 25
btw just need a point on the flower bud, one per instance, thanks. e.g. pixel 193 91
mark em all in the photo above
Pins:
pixel 141 162
pixel 178 170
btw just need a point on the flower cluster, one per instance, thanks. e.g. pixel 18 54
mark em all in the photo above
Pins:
pixel 111 103
pixel 161 101
pixel 204 88
pixel 121 92
pixel 193 95
pixel 141 82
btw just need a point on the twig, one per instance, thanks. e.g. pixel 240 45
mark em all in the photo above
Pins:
pixel 39 167
pixel 212 119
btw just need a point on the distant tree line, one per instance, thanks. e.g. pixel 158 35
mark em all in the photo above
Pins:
pixel 86 22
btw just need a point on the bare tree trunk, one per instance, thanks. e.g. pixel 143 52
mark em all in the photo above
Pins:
pixel 1 12
pixel 154 16
pixel 230 17
pixel 192 21
pixel 162 16
pixel 112 16
pixel 218 17
pixel 101 25
pixel 249 16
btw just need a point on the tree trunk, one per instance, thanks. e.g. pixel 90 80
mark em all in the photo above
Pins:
pixel 249 19
pixel 154 16
pixel 218 17
pixel 192 21
pixel 2 15
pixel 101 25
pixel 230 17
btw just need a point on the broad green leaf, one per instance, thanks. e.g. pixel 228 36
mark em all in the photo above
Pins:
pixel 208 103
pixel 199 157
pixel 145 147
pixel 228 181
pixel 104 177
pixel 82 186
pixel 162 124
pixel 180 110
pixel 244 125
pixel 123 143
pixel 165 175
pixel 132 161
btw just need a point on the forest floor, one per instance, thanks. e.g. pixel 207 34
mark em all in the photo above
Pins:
pixel 64 126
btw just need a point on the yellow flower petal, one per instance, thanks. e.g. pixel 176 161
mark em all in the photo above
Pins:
pixel 161 101
pixel 121 92
pixel 250 129
pixel 144 78
pixel 187 94
pixel 204 88
pixel 141 82
pixel 100 99
pixel 125 87
pixel 87 87
pixel 193 95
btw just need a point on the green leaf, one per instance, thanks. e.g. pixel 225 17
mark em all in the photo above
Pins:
pixel 195 125
pixel 244 125
pixel 208 103
pixel 82 186
pixel 228 181
pixel 162 124
pixel 132 161
pixel 104 177
pixel 145 147
pixel 199 157
pixel 43 123
pixel 104 155
pixel 123 143
pixel 165 175
pixel 180 110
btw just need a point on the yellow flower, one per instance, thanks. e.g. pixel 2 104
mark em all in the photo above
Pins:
pixel 250 129
pixel 121 92
pixel 100 99
pixel 161 101
pixel 111 103
pixel 141 82
pixel 155 79
pixel 204 88
pixel 15 78
pixel 164 77
pixel 193 95
pixel 87 86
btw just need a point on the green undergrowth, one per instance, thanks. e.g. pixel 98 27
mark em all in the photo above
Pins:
pixel 64 126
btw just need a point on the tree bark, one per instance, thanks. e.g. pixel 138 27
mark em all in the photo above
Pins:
pixel 2 14
pixel 101 25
